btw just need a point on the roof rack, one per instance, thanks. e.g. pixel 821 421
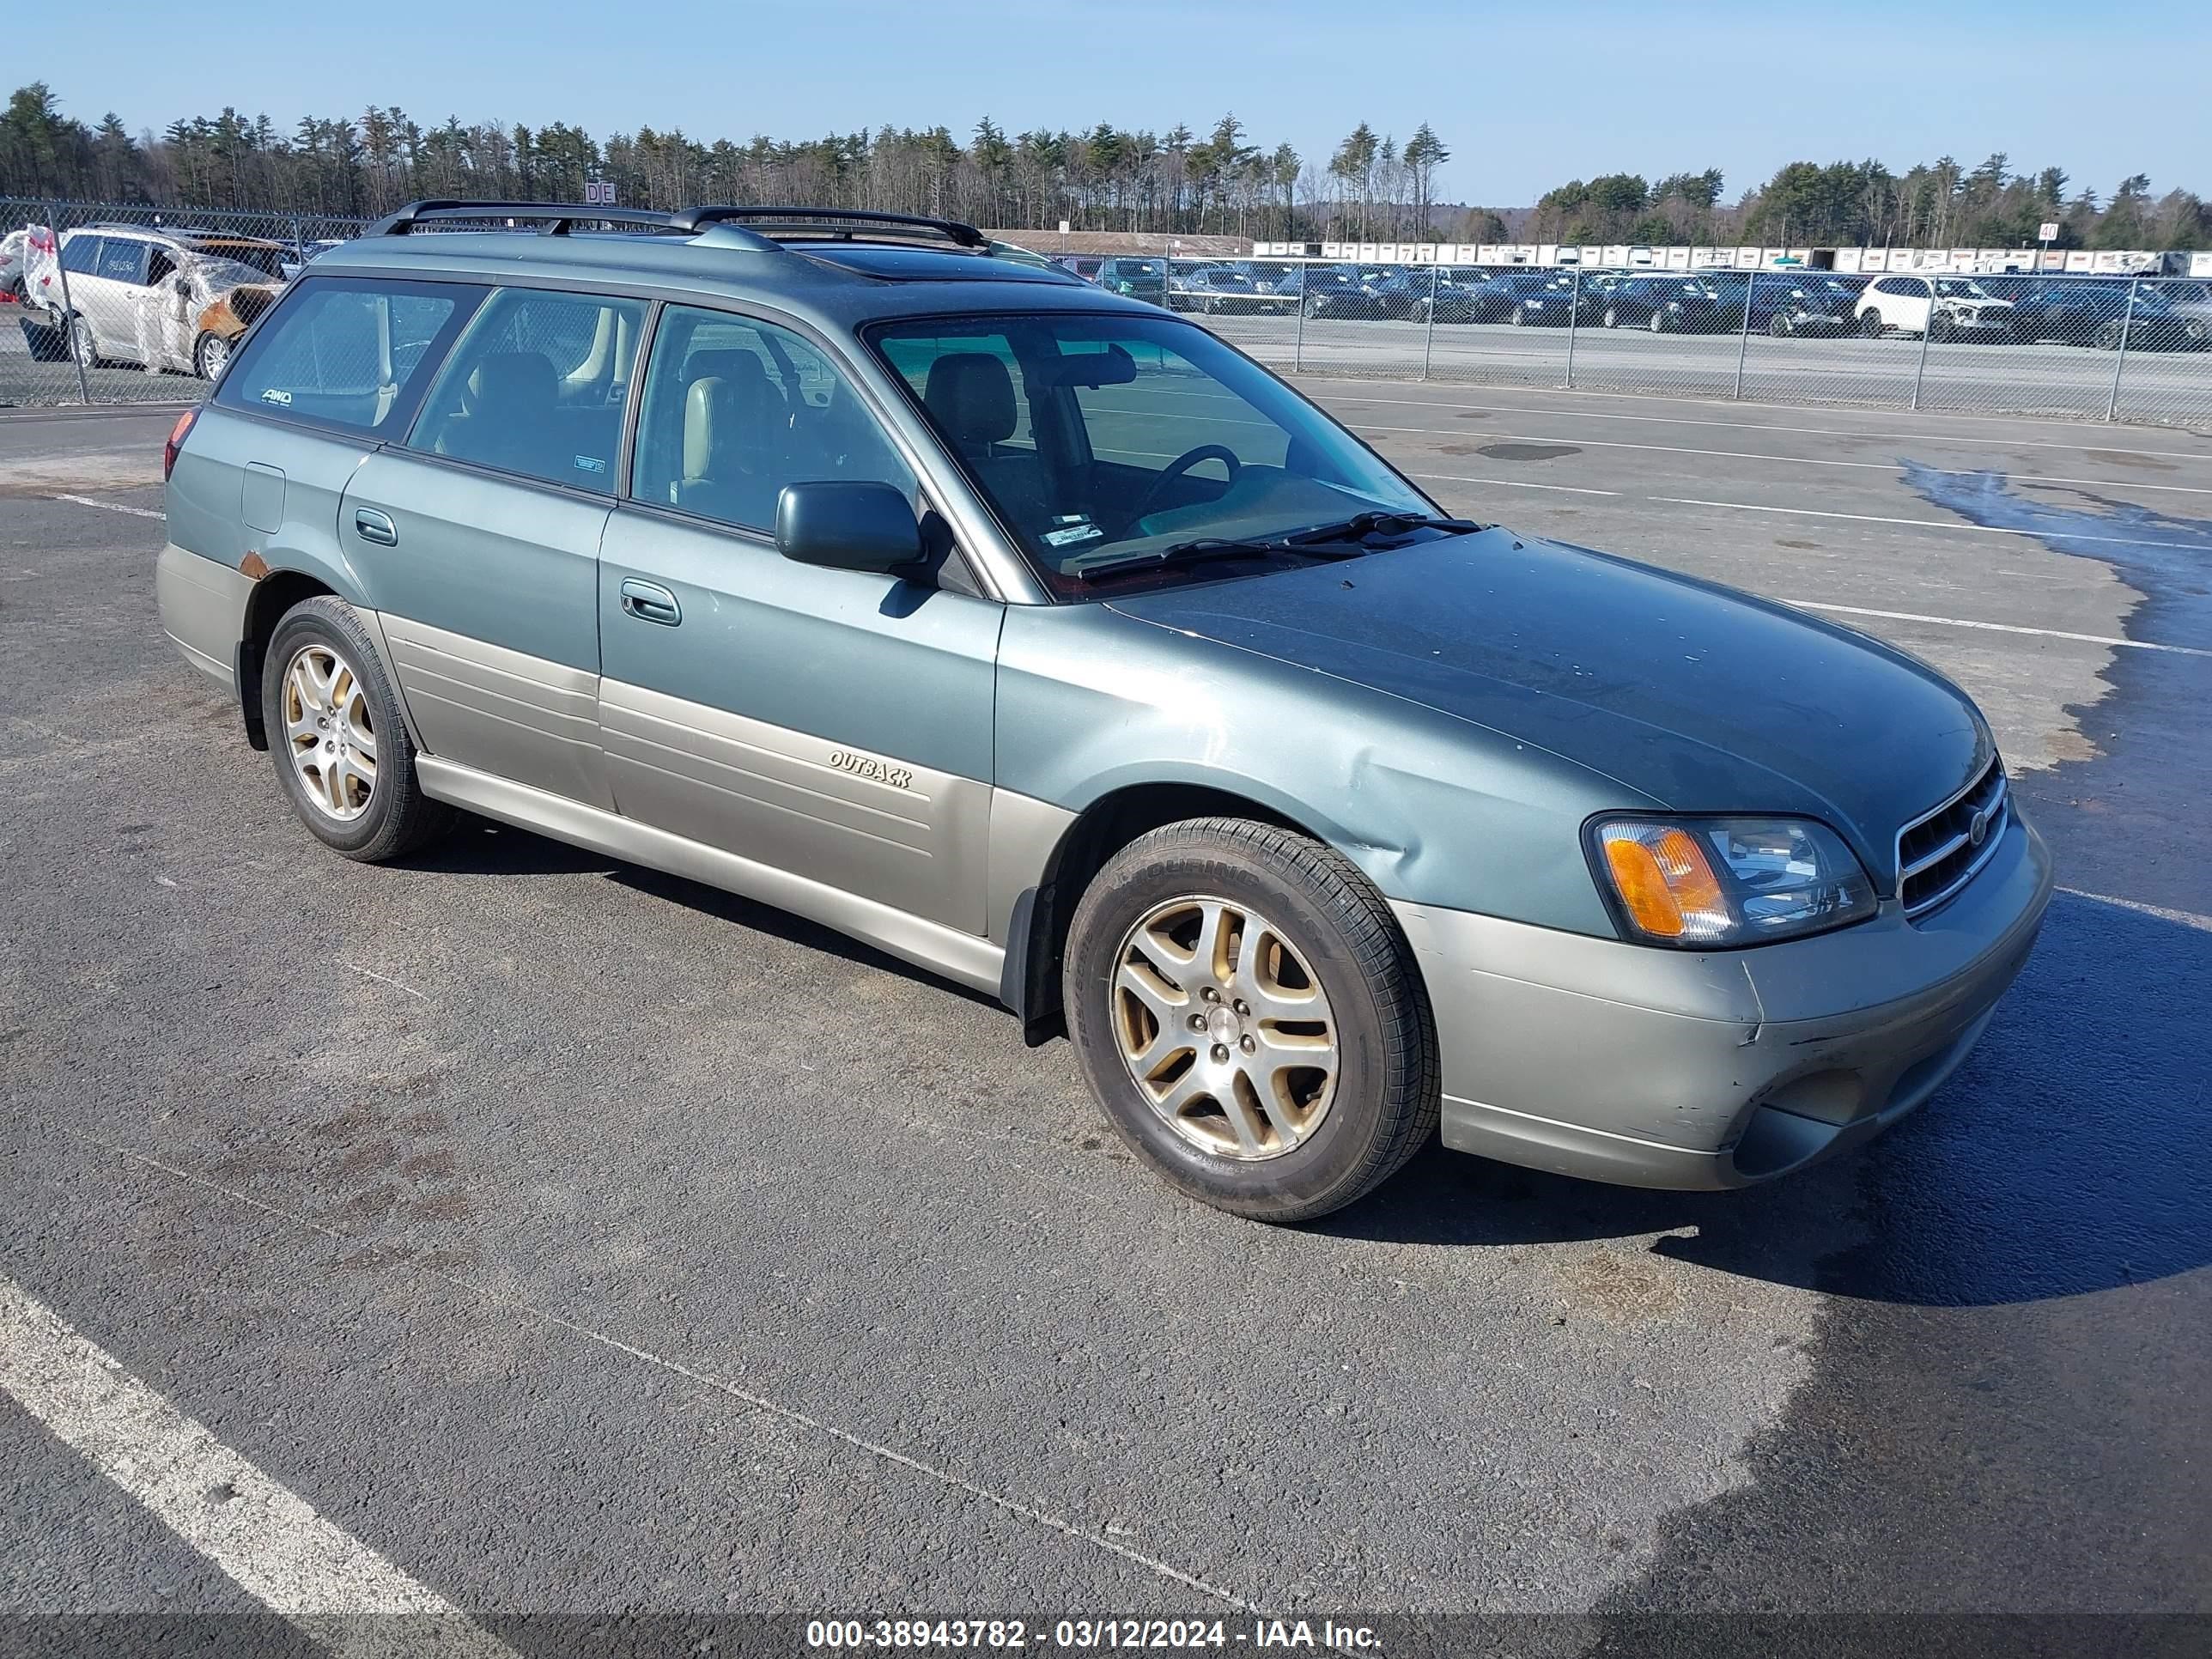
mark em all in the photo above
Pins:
pixel 754 224
pixel 840 224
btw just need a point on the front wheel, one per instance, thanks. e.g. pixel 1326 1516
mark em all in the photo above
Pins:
pixel 1778 325
pixel 1612 316
pixel 339 742
pixel 1250 1020
pixel 1658 322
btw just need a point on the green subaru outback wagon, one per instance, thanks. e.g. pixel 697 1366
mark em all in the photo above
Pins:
pixel 1039 638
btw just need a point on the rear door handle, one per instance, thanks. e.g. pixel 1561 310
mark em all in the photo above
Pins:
pixel 375 527
pixel 648 602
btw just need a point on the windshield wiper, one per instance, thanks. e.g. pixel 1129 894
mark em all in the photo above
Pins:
pixel 1361 526
pixel 1201 549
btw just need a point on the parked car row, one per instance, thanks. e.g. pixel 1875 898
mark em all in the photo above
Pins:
pixel 2083 311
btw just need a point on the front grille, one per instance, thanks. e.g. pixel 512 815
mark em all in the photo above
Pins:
pixel 1938 854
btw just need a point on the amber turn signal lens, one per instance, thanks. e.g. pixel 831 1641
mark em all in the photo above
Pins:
pixel 1664 880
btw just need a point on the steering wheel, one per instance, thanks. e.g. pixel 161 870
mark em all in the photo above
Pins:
pixel 1182 464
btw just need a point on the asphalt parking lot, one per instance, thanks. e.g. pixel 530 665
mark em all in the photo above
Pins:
pixel 575 1239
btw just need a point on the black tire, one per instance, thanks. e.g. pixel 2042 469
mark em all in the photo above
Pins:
pixel 210 357
pixel 1941 331
pixel 83 343
pixel 1778 325
pixel 1612 316
pixel 1659 321
pixel 399 819
pixel 1520 317
pixel 1870 324
pixel 1386 1101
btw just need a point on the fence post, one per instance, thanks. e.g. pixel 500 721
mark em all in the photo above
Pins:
pixel 1429 335
pixel 1927 333
pixel 68 307
pixel 2120 359
pixel 1743 343
pixel 299 242
pixel 1298 345
pixel 1574 322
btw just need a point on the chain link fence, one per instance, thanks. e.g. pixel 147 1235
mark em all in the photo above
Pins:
pixel 2096 348
pixel 119 303
pixel 107 303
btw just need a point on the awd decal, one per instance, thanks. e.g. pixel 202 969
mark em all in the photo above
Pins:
pixel 875 771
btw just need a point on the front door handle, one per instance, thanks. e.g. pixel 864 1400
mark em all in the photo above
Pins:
pixel 649 602
pixel 375 527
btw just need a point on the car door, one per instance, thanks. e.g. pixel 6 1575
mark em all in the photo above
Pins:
pixel 835 725
pixel 483 533
pixel 112 297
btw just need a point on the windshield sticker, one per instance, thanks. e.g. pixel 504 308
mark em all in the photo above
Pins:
pixel 1073 528
pixel 276 395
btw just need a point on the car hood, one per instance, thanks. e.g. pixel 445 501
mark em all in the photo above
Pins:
pixel 1690 696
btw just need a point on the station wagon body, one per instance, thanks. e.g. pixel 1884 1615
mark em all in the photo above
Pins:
pixel 1042 639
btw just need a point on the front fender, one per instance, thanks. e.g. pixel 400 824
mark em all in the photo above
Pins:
pixel 1433 810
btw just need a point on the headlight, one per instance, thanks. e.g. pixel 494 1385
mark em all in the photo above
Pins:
pixel 1712 883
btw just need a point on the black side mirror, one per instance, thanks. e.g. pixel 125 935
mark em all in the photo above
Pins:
pixel 847 526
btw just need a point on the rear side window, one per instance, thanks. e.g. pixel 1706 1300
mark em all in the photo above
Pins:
pixel 538 387
pixel 353 353
pixel 80 254
pixel 122 260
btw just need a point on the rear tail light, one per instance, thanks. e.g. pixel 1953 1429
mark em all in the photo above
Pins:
pixel 176 440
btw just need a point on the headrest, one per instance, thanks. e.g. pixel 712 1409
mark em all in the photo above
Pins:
pixel 513 381
pixel 972 397
pixel 735 364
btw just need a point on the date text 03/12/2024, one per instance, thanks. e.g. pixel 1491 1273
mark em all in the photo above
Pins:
pixel 1090 1635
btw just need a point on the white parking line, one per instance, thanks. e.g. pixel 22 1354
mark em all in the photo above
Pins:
pixel 1935 436
pixel 1097 1538
pixel 268 1540
pixel 1363 429
pixel 2000 628
pixel 1930 523
pixel 114 506
pixel 2186 918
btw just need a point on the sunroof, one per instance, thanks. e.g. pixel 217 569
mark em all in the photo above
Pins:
pixel 923 265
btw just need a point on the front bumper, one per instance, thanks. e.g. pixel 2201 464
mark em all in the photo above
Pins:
pixel 1651 1067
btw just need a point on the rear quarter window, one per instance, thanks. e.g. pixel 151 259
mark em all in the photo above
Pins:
pixel 351 353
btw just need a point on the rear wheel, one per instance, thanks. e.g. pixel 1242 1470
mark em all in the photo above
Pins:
pixel 1659 322
pixel 1250 1020
pixel 1778 325
pixel 83 344
pixel 339 742
pixel 1612 316
pixel 1870 324
pixel 210 357
pixel 1520 317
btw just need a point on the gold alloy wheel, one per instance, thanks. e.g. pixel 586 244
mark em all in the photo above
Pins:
pixel 1225 1028
pixel 329 732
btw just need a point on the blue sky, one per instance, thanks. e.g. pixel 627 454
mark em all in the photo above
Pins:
pixel 1527 97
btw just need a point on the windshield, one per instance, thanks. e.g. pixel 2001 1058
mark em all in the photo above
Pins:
pixel 1958 288
pixel 1095 437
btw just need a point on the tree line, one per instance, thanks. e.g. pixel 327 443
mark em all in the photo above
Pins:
pixel 1370 187
pixel 1864 204
pixel 1105 178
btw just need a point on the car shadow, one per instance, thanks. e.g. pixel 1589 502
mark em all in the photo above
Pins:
pixel 2070 1153
pixel 480 847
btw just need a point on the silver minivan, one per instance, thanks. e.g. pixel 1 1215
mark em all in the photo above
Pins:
pixel 1040 638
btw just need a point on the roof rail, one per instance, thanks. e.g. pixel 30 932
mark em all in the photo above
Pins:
pixel 558 216
pixel 841 223
pixel 755 224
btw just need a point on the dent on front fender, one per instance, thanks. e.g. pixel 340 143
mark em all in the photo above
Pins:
pixel 1434 811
